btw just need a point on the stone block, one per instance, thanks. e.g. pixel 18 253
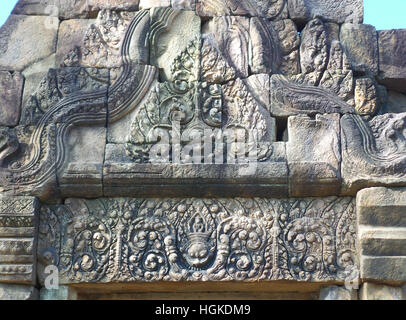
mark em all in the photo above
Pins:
pixel 82 172
pixel 71 34
pixel 392 62
pixel 382 241
pixel 231 36
pixel 382 233
pixel 372 291
pixel 289 98
pixel 121 176
pixel 72 9
pixel 240 106
pixel 120 5
pixel 62 84
pixel 147 4
pixel 395 103
pixel 373 152
pixel 139 49
pixel 383 269
pixel 259 87
pixel 270 9
pixel 103 40
pixel 11 91
pixel 273 46
pixel 366 97
pixel 313 153
pixel 328 10
pixel 39 34
pixel 337 293
pixel 289 42
pixel 18 292
pixel 262 51
pixel 382 207
pixel 360 43
pixel 118 132
pixel 66 9
pixel 18 241
pixel 314 50
pixel 17 175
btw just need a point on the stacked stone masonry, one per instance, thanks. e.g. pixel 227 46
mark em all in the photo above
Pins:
pixel 208 141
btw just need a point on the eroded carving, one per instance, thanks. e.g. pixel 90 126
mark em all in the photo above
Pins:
pixel 374 151
pixel 262 8
pixel 103 40
pixel 366 97
pixel 314 51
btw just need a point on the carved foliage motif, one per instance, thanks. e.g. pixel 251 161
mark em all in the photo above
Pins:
pixel 199 239
pixel 173 112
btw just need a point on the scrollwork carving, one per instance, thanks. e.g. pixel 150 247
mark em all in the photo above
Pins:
pixel 200 239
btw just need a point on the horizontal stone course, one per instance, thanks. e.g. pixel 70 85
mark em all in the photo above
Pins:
pixel 382 234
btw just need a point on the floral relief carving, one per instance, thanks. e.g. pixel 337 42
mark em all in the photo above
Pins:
pixel 123 239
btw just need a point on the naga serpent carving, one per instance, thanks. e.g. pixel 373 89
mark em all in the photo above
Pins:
pixel 47 152
pixel 381 141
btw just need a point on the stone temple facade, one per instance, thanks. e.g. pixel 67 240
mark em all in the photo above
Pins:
pixel 201 148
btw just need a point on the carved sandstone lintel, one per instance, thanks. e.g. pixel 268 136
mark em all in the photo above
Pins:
pixel 126 240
